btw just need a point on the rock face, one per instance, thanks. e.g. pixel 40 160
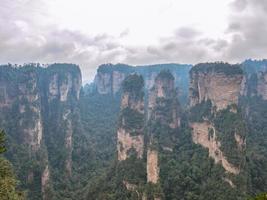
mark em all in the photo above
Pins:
pixel 262 84
pixel 45 182
pixel 126 142
pixel 130 134
pixel 152 166
pixel 63 87
pixel 215 87
pixel 25 94
pixel 163 111
pixel 218 82
pixel 163 95
pixel 109 77
pixel 255 81
pixel 205 134
pixel 39 101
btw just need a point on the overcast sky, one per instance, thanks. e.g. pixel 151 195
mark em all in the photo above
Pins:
pixel 92 32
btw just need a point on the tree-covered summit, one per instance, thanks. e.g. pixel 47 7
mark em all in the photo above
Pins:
pixel 218 67
pixel 133 83
pixel 165 74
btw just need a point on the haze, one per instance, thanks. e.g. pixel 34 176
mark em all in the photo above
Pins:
pixel 137 32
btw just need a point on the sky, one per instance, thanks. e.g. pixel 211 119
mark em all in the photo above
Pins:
pixel 136 32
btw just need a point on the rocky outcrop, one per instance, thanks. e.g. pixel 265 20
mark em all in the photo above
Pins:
pixel 41 101
pixel 255 81
pixel 241 142
pixel 63 95
pixel 63 86
pixel 126 142
pixel 68 139
pixel 103 83
pixel 215 87
pixel 117 78
pixel 152 166
pixel 204 134
pixel 262 85
pixel 24 92
pixel 163 111
pixel 109 77
pixel 130 134
pixel 163 95
pixel 45 182
pixel 218 82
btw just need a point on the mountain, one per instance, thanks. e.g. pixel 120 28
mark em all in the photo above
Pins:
pixel 38 110
pixel 155 132
pixel 109 77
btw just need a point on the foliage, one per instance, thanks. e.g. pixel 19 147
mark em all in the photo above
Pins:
pixel 201 111
pixel 227 125
pixel 165 74
pixel 8 182
pixel 260 197
pixel 133 84
pixel 218 67
pixel 132 120
pixel 256 144
pixel 2 142
pixel 189 173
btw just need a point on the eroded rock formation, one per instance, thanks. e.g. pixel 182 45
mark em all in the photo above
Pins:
pixel 215 89
pixel 204 134
pixel 218 82
pixel 152 166
pixel 45 182
pixel 262 84
pixel 130 134
pixel 163 111
pixel 163 96
pixel 126 142
pixel 40 101
pixel 109 77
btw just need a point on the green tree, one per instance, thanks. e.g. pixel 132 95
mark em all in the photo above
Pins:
pixel 260 197
pixel 8 182
pixel 2 142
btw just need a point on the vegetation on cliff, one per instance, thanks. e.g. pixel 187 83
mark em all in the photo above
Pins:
pixel 8 182
pixel 218 67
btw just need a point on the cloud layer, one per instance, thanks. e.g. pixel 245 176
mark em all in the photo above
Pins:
pixel 28 34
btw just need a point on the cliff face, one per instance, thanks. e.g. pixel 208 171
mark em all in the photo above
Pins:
pixel 163 97
pixel 205 134
pixel 34 101
pixel 63 95
pixel 255 84
pixel 152 166
pixel 64 85
pixel 163 108
pixel 262 85
pixel 220 84
pixel 24 96
pixel 109 77
pixel 130 133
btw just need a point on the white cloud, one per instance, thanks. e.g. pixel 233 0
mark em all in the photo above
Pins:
pixel 93 32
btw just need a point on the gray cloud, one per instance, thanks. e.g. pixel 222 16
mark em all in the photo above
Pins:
pixel 248 30
pixel 24 39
